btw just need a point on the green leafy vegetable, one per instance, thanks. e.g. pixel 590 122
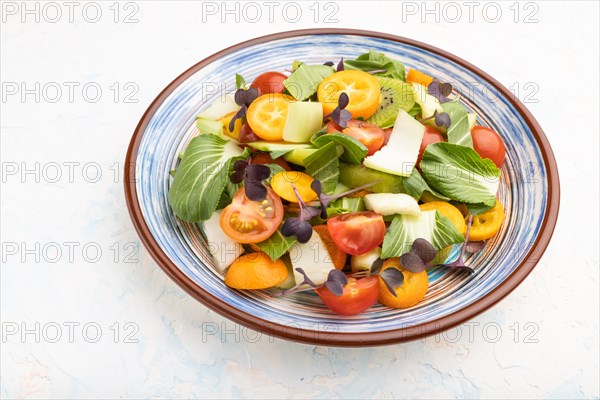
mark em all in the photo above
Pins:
pixel 415 185
pixel 346 205
pixel 240 82
pixel 201 177
pixel 323 165
pixel 304 81
pixel 477 209
pixel 209 126
pixel 277 245
pixel 458 132
pixel 430 225
pixel 415 110
pixel 376 61
pixel 459 173
pixel 354 150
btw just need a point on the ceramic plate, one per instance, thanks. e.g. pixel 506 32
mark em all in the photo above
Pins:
pixel 529 191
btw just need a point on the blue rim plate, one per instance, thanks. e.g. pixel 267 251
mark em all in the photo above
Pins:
pixel 529 191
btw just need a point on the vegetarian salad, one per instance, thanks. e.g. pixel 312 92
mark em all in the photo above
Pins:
pixel 350 180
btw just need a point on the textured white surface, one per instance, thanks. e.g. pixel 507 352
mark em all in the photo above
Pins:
pixel 541 341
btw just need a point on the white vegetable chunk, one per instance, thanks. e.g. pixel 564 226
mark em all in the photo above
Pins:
pixel 223 249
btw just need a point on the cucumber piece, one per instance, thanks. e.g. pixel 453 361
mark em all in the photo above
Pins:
pixel 278 146
pixel 355 175
pixel 392 203
pixel 290 281
pixel 428 103
pixel 222 248
pixel 472 118
pixel 304 118
pixel 364 262
pixel 313 258
pixel 221 107
pixel 399 156
pixel 298 156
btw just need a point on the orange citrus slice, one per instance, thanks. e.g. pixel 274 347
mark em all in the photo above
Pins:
pixel 267 114
pixel 363 91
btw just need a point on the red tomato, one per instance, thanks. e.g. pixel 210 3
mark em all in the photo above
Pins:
pixel 430 136
pixel 488 144
pixel 247 135
pixel 358 295
pixel 387 132
pixel 247 221
pixel 269 82
pixel 357 233
pixel 333 127
pixel 265 158
pixel 370 135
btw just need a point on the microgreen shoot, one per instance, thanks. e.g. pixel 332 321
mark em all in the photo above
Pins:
pixel 253 176
pixel 422 254
pixel 441 119
pixel 340 115
pixel 440 90
pixel 243 98
pixel 460 262
pixel 336 280
pixel 340 66
pixel 392 277
pixel 326 199
pixel 299 226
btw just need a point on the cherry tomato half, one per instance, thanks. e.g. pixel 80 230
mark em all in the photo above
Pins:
pixel 357 233
pixel 247 135
pixel 333 127
pixel 358 295
pixel 370 135
pixel 488 144
pixel 269 82
pixel 430 136
pixel 247 221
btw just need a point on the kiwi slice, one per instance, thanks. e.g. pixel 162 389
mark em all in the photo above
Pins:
pixel 395 95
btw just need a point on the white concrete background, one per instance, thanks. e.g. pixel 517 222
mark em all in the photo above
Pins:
pixel 540 342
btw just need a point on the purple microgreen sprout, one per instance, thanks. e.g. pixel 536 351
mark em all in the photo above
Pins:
pixel 440 90
pixel 340 66
pixel 392 277
pixel 326 199
pixel 253 176
pixel 419 257
pixel 299 226
pixel 336 280
pixel 329 63
pixel 243 98
pixel 340 115
pixel 474 247
pixel 441 119
pixel 240 114
pixel 422 254
pixel 460 262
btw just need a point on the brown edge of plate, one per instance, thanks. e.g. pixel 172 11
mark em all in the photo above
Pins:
pixel 326 335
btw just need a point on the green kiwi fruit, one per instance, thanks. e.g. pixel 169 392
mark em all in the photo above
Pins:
pixel 395 95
